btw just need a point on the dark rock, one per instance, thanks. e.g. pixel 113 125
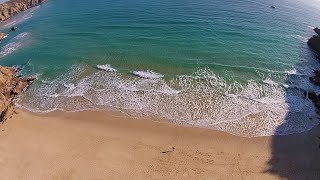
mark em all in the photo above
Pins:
pixel 313 96
pixel 314 43
pixel 317 30
pixel 13 29
pixel 316 78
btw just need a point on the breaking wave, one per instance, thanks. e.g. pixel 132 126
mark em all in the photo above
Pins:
pixel 202 99
pixel 17 42
pixel 147 74
pixel 106 67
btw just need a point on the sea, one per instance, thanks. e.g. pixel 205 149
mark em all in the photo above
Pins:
pixel 237 66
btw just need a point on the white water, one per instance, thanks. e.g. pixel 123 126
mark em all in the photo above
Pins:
pixel 148 74
pixel 16 43
pixel 106 67
pixel 203 100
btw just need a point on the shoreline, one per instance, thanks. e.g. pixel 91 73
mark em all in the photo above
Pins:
pixel 86 145
pixel 123 114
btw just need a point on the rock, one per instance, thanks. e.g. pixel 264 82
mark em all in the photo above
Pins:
pixel 13 7
pixel 317 30
pixel 2 36
pixel 316 78
pixel 314 43
pixel 13 29
pixel 313 96
pixel 10 87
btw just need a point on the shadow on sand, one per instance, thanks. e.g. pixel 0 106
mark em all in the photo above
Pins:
pixel 296 156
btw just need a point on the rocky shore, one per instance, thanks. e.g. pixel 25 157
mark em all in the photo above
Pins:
pixel 13 7
pixel 11 85
pixel 314 43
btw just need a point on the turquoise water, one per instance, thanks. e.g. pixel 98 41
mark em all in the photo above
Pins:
pixel 236 66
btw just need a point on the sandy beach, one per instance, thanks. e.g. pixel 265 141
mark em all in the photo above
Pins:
pixel 109 145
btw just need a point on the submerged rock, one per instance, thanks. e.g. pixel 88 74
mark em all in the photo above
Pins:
pixel 10 87
pixel 13 7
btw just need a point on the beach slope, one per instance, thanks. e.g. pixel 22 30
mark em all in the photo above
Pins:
pixel 108 145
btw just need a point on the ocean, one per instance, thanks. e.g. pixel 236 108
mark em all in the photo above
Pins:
pixel 237 66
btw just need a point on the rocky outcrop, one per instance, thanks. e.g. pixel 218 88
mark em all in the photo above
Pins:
pixel 317 30
pixel 2 36
pixel 11 85
pixel 314 43
pixel 13 7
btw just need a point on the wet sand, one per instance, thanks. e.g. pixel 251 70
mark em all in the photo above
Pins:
pixel 110 145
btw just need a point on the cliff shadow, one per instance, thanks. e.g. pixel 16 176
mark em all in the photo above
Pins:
pixel 297 156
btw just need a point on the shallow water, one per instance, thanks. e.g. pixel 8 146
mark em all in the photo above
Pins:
pixel 236 66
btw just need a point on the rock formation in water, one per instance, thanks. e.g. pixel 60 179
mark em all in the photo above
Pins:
pixel 2 36
pixel 11 85
pixel 13 7
pixel 314 41
pixel 317 30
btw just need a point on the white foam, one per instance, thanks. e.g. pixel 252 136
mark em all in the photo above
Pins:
pixel 70 86
pixel 148 74
pixel 311 27
pixel 13 46
pixel 106 67
pixel 21 35
pixel 202 99
pixel 301 38
pixel 292 71
pixel 270 82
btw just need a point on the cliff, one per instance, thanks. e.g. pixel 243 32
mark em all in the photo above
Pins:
pixel 11 85
pixel 13 7
pixel 314 41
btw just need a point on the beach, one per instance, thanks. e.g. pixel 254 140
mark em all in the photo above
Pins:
pixel 111 145
pixel 159 90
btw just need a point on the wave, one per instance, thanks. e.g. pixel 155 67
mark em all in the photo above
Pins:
pixel 18 42
pixel 148 74
pixel 202 99
pixel 106 67
pixel 301 38
pixel 270 82
pixel 292 71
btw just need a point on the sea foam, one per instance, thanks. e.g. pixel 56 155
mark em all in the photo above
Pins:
pixel 148 74
pixel 202 99
pixel 106 67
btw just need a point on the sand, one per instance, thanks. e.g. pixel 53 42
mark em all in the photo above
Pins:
pixel 110 145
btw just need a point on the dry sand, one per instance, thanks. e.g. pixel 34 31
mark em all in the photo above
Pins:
pixel 109 145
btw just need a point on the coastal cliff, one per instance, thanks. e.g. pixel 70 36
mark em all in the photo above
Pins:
pixel 11 85
pixel 13 7
pixel 314 41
